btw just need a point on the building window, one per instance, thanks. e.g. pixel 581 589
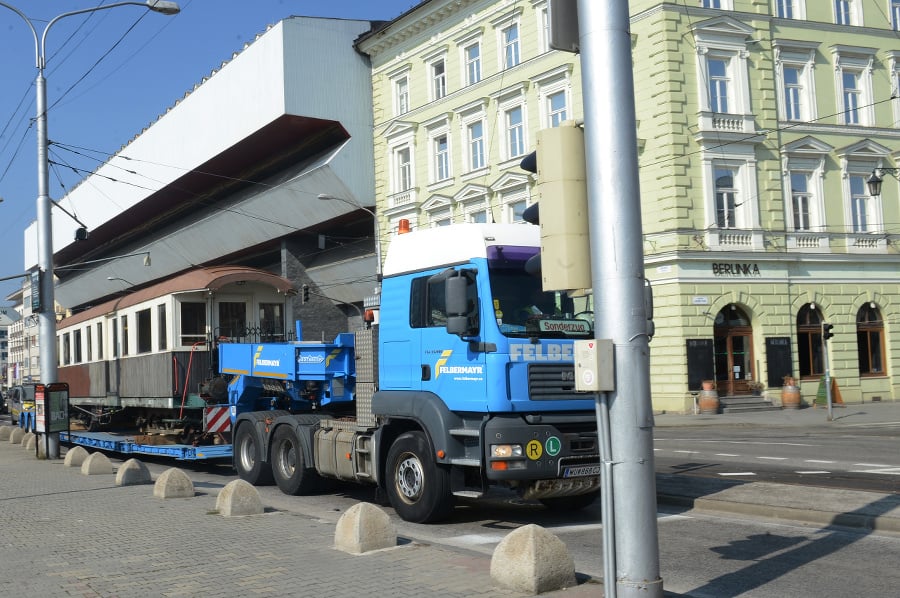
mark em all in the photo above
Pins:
pixel 65 353
pixel 853 73
pixel 100 340
pixel 711 3
pixel 441 148
pixel 861 216
pixel 726 198
pixel 475 135
pixel 402 170
pixel 809 341
pixel 516 210
pixel 556 108
pixel 800 200
pixel 842 12
pixel 717 71
pixel 785 9
pixel 515 132
pixel 401 96
pixel 232 319
pixel 472 55
pixel 161 327
pixel 543 30
pixel 793 93
pixel 76 347
pixel 851 93
pixel 870 340
pixel 510 40
pixel 124 321
pixel 438 79
pixel 895 14
pixel 271 322
pixel 193 323
pixel 89 355
pixel 144 331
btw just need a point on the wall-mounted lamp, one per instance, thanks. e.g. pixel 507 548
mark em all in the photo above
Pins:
pixel 871 304
pixel 128 282
pixel 812 306
pixel 873 183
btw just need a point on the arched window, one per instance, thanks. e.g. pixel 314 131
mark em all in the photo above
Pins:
pixel 809 341
pixel 870 340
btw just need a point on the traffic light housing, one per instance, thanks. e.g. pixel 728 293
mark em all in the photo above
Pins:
pixel 304 294
pixel 826 331
pixel 561 188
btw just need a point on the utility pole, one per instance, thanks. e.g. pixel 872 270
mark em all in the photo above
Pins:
pixel 617 275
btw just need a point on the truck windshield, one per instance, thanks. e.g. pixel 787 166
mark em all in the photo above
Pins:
pixel 524 310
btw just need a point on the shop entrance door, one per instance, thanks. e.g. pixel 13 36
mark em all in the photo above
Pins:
pixel 734 351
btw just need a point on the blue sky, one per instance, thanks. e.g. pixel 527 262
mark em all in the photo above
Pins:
pixel 109 75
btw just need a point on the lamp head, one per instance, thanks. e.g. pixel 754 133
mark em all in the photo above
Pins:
pixel 164 7
pixel 873 184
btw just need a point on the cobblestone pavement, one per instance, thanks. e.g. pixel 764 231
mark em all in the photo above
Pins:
pixel 67 534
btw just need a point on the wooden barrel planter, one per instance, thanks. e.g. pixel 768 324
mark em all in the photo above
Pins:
pixel 708 401
pixel 790 397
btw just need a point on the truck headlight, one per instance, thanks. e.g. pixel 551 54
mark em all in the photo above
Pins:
pixel 506 451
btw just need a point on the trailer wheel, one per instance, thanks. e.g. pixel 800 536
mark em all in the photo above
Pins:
pixel 571 503
pixel 418 488
pixel 249 460
pixel 289 464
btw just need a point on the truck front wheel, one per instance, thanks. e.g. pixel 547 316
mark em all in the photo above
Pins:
pixel 249 460
pixel 418 488
pixel 290 465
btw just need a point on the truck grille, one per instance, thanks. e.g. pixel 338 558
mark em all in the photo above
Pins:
pixel 551 382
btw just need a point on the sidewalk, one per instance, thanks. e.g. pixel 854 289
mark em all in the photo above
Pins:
pixel 843 415
pixel 68 534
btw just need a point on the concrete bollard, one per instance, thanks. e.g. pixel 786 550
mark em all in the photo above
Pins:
pixel 173 483
pixel 96 464
pixel 15 437
pixel 531 559
pixel 75 456
pixel 364 527
pixel 239 498
pixel 5 431
pixel 133 473
pixel 28 441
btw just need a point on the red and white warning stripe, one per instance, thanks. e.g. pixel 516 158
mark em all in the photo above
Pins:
pixel 217 419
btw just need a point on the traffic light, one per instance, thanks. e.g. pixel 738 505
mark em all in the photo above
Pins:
pixel 562 189
pixel 826 331
pixel 304 294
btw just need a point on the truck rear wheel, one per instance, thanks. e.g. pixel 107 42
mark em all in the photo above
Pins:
pixel 249 460
pixel 289 464
pixel 418 488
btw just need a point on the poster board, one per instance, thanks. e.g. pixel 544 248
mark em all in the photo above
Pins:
pixel 822 397
pixel 778 360
pixel 700 362
pixel 51 407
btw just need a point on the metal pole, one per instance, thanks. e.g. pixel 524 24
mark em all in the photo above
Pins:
pixel 618 285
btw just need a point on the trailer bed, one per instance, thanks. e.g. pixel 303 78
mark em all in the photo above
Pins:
pixel 126 445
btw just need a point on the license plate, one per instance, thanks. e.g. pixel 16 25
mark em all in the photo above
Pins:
pixel 577 472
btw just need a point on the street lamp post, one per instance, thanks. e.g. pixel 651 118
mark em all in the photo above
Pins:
pixel 46 311
pixel 46 315
pixel 378 276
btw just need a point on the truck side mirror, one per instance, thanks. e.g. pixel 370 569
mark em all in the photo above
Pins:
pixel 460 310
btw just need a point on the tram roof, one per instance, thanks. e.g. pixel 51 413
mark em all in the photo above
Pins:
pixel 201 279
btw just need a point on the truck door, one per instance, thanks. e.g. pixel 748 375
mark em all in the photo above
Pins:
pixel 450 368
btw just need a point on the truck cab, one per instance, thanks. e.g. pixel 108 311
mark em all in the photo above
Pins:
pixel 472 348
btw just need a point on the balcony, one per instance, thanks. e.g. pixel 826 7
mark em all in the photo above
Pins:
pixel 403 198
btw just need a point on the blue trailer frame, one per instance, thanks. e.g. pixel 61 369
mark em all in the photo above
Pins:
pixel 125 445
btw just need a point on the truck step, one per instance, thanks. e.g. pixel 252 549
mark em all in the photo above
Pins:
pixel 466 462
pixel 468 493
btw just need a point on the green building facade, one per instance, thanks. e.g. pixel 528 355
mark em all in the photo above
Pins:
pixel 756 140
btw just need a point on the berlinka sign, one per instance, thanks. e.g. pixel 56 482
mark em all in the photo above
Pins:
pixel 735 269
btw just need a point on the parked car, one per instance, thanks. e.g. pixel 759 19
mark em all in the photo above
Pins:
pixel 20 401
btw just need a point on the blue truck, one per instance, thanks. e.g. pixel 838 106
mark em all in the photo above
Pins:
pixel 462 382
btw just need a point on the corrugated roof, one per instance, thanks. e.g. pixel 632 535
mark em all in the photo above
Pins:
pixel 201 279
